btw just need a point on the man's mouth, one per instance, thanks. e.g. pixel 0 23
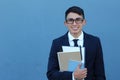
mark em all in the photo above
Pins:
pixel 74 28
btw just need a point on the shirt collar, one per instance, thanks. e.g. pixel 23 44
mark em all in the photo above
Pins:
pixel 71 37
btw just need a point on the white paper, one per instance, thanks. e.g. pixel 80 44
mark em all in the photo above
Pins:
pixel 75 49
pixel 70 49
pixel 83 56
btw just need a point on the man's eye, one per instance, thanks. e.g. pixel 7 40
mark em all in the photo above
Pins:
pixel 70 20
pixel 79 19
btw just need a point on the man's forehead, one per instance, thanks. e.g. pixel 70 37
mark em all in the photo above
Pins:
pixel 74 15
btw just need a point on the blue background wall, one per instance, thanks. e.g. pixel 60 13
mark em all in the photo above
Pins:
pixel 27 28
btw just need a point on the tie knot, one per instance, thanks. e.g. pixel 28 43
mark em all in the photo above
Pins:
pixel 75 42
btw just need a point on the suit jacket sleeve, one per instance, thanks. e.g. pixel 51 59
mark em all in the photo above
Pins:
pixel 94 58
pixel 53 72
pixel 99 63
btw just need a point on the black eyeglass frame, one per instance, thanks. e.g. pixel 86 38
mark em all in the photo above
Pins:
pixel 77 20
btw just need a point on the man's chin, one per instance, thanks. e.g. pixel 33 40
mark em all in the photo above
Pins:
pixel 75 33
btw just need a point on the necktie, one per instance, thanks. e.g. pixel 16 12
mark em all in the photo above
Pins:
pixel 75 42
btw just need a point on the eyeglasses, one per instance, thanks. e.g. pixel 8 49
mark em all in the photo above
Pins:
pixel 77 20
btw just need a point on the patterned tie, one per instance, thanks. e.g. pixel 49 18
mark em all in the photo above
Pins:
pixel 75 42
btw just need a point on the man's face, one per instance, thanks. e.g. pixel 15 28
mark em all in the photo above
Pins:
pixel 74 23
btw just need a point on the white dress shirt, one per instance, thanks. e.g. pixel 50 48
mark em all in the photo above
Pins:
pixel 79 42
pixel 80 39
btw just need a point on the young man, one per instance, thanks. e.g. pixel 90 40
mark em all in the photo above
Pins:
pixel 94 65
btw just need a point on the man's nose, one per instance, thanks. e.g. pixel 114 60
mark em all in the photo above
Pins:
pixel 74 23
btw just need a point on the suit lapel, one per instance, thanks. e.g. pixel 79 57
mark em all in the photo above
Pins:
pixel 86 45
pixel 86 39
pixel 65 40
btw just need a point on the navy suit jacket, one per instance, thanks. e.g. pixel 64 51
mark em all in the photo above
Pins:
pixel 93 59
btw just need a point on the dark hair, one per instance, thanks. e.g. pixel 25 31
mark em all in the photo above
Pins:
pixel 75 9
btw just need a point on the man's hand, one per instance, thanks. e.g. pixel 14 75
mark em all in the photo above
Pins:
pixel 80 73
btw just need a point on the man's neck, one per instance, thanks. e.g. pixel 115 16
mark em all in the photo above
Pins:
pixel 76 35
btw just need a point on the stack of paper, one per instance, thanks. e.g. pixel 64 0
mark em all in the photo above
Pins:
pixel 69 58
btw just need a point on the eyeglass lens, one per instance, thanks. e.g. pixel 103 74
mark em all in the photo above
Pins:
pixel 77 20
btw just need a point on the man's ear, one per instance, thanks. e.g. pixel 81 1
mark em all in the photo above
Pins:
pixel 65 23
pixel 84 22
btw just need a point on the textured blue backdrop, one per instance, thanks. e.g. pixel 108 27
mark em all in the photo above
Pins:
pixel 27 28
